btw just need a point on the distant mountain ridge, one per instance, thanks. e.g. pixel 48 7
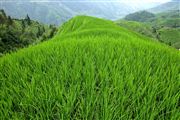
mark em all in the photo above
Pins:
pixel 57 12
pixel 46 13
pixel 169 6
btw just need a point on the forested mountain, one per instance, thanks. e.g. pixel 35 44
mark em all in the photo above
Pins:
pixel 142 16
pixel 48 13
pixel 18 33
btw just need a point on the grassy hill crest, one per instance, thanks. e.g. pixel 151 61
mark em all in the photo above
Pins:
pixel 85 73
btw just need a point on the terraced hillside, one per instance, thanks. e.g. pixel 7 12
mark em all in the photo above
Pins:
pixel 165 26
pixel 139 27
pixel 92 69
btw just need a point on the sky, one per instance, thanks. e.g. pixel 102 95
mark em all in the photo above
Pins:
pixel 126 1
pixel 146 1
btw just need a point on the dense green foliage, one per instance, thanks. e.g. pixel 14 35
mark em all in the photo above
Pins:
pixel 15 33
pixel 170 19
pixel 164 27
pixel 171 36
pixel 139 27
pixel 141 16
pixel 92 69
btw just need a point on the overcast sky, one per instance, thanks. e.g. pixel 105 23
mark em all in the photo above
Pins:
pixel 113 0
pixel 127 1
pixel 147 1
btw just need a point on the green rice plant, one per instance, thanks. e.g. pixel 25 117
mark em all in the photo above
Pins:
pixel 99 72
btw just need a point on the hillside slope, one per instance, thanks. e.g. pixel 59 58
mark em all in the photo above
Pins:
pixel 140 16
pixel 138 27
pixel 92 69
pixel 164 26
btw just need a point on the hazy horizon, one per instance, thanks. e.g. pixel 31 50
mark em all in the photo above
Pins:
pixel 135 4
pixel 59 11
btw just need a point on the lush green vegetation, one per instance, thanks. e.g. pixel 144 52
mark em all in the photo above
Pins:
pixel 171 36
pixel 15 33
pixel 163 26
pixel 170 19
pixel 139 27
pixel 92 69
pixel 141 16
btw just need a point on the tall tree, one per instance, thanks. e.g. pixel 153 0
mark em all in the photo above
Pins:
pixel 3 13
pixel 39 32
pixel 28 20
pixel 9 21
pixel 2 17
pixel 23 25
